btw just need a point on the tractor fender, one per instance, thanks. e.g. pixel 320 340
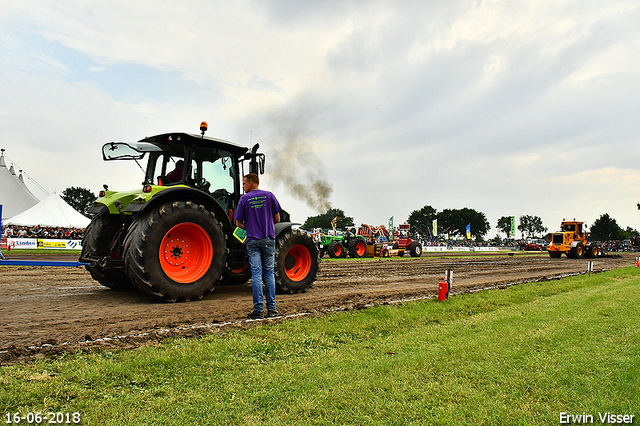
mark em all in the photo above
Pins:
pixel 185 194
pixel 283 226
pixel 574 243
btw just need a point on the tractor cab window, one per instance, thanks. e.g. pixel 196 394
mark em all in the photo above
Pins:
pixel 164 169
pixel 569 227
pixel 214 171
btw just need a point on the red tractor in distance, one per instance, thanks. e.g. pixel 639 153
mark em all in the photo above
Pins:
pixel 403 241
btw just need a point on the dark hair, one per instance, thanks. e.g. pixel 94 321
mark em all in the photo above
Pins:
pixel 253 178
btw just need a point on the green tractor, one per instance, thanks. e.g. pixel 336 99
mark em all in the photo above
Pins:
pixel 337 246
pixel 173 238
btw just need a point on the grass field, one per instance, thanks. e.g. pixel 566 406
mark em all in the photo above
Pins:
pixel 520 356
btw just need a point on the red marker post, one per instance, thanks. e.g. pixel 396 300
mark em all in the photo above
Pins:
pixel 445 285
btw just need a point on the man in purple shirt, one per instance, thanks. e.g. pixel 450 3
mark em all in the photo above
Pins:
pixel 258 211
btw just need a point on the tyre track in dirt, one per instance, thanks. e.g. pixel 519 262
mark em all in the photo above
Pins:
pixel 50 310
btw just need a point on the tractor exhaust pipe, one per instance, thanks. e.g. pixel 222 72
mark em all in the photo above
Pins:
pixel 256 160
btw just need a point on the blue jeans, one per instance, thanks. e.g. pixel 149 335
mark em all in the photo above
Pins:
pixel 262 255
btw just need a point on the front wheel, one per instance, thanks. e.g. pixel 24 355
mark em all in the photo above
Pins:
pixel 578 251
pixel 236 276
pixel 336 250
pixel 592 250
pixel 175 252
pixel 297 262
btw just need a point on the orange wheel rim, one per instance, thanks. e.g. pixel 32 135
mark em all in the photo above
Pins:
pixel 360 248
pixel 297 263
pixel 338 250
pixel 186 252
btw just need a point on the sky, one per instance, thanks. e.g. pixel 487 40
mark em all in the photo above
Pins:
pixel 377 108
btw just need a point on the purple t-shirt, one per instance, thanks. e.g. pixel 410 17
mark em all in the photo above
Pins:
pixel 257 209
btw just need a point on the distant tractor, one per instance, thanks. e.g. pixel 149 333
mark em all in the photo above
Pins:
pixel 381 243
pixel 573 241
pixel 339 245
pixel 173 237
pixel 404 241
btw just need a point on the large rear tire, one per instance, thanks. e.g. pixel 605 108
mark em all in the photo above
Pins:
pixel 175 252
pixel 297 262
pixel 102 240
pixel 358 247
pixel 415 249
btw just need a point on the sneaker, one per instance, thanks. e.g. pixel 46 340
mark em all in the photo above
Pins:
pixel 272 313
pixel 255 315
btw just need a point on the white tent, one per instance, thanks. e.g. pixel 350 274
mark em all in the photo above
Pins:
pixel 15 197
pixel 52 211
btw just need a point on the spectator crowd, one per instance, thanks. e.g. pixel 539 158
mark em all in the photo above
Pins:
pixel 51 232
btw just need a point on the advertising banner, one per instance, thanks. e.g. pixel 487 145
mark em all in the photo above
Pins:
pixel 39 243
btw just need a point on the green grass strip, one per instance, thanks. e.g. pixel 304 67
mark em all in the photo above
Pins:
pixel 519 356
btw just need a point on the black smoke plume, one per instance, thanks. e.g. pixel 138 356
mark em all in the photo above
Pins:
pixel 292 162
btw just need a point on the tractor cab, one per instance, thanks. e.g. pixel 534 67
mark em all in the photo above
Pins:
pixel 573 227
pixel 182 159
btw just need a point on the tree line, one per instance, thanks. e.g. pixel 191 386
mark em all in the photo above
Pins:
pixel 451 221
pixel 454 222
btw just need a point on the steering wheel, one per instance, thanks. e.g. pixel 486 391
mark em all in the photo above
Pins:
pixel 203 184
pixel 221 193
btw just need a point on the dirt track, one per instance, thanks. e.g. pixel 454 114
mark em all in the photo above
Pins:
pixel 50 310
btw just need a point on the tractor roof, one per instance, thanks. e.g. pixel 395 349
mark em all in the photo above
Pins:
pixel 192 139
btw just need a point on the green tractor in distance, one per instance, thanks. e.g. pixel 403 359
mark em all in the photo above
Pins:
pixel 174 240
pixel 338 245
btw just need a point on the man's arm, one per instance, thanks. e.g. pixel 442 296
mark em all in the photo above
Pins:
pixel 240 224
pixel 276 218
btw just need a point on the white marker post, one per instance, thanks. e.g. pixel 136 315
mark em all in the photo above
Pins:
pixel 590 267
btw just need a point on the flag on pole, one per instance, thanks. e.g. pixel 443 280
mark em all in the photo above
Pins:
pixel 391 228
pixel 435 227
pixel 512 231
pixel 468 231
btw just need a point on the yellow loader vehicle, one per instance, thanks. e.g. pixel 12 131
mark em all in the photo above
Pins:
pixel 573 241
